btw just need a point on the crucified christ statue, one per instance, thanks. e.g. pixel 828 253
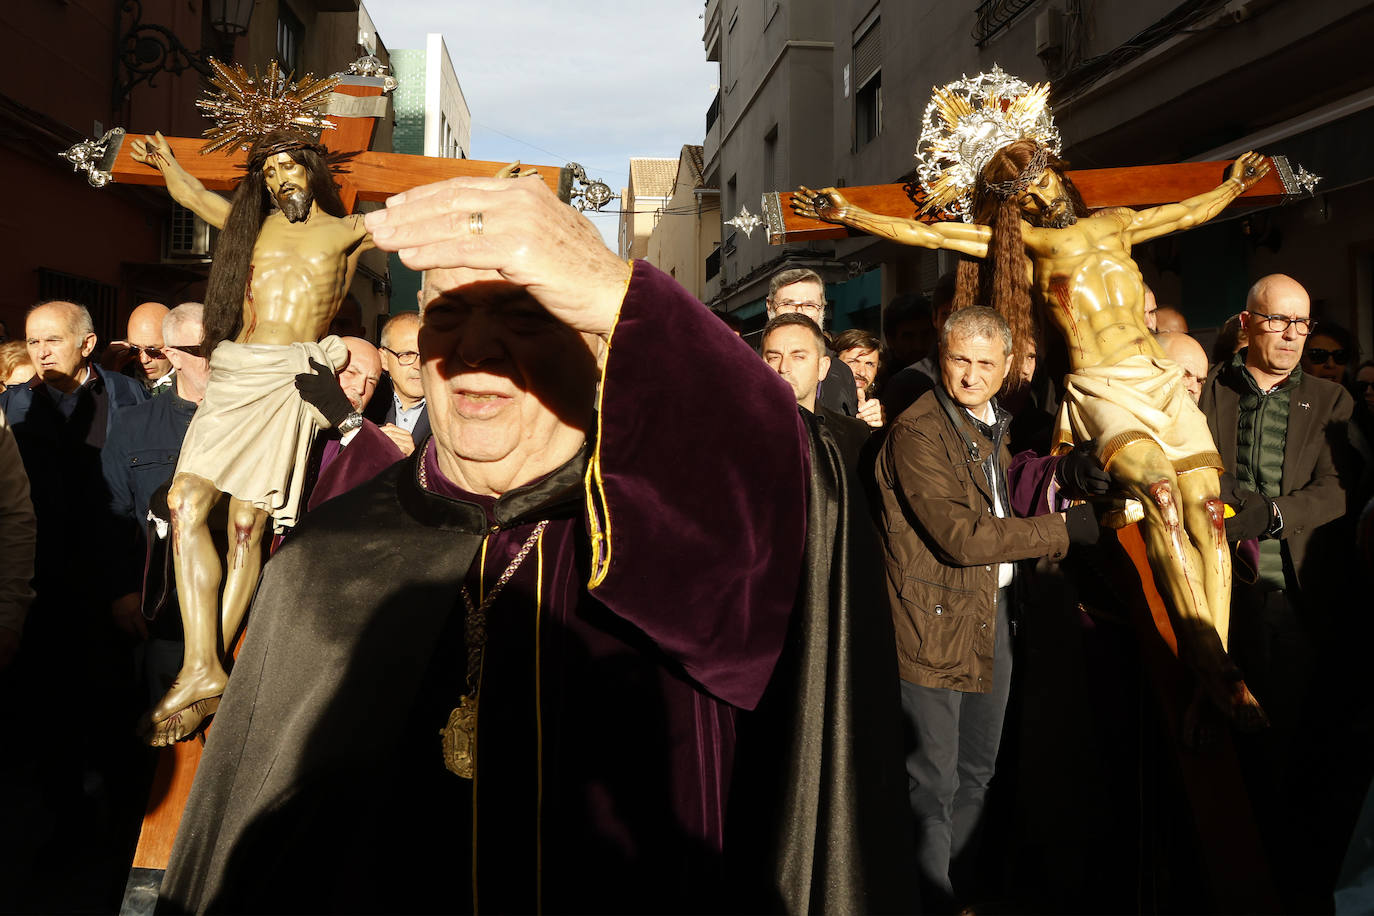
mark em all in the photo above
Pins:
pixel 283 263
pixel 1034 238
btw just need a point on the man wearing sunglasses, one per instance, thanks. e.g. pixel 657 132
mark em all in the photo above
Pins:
pixel 138 460
pixel 1274 426
pixel 143 356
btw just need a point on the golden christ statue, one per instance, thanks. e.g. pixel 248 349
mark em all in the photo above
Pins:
pixel 286 254
pixel 988 154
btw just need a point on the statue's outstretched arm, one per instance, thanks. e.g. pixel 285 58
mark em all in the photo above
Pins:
pixel 184 187
pixel 1157 221
pixel 829 205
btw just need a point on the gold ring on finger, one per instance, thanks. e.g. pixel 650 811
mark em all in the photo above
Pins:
pixel 475 222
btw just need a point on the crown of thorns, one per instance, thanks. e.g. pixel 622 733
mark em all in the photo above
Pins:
pixel 1014 186
pixel 969 120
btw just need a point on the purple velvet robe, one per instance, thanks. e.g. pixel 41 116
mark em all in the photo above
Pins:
pixel 342 468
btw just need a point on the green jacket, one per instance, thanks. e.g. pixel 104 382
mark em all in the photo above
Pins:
pixel 1311 493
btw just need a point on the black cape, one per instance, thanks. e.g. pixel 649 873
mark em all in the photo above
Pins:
pixel 824 824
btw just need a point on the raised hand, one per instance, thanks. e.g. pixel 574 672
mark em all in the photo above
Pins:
pixel 870 411
pixel 826 204
pixel 321 389
pixel 153 151
pixel 517 229
pixel 1248 170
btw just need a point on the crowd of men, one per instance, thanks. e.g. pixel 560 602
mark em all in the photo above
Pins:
pixel 1299 520
pixel 684 580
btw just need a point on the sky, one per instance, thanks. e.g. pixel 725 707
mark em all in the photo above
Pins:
pixel 551 82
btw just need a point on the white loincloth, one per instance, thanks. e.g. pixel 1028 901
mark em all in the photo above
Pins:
pixel 1141 397
pixel 251 435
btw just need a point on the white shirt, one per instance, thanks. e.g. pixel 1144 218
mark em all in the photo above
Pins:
pixel 1004 570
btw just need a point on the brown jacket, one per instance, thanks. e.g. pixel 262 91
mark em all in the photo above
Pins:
pixel 943 543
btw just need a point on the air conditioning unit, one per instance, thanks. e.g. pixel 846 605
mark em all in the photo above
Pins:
pixel 1049 32
pixel 189 237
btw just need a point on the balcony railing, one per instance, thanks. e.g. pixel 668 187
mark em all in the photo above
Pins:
pixel 995 15
pixel 713 112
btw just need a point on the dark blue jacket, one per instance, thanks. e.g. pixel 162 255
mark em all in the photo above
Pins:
pixel 62 458
pixel 109 389
pixel 140 457
pixel 141 453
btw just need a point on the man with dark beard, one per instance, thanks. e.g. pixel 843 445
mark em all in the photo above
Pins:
pixel 283 263
pixel 1123 392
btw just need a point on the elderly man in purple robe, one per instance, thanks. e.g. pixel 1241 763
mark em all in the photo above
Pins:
pixel 514 660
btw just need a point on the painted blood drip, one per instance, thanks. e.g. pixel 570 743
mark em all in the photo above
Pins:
pixel 242 535
pixel 252 311
pixel 1216 514
pixel 1164 498
pixel 1059 290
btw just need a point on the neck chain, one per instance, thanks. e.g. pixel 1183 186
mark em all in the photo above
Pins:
pixel 459 736
pixel 476 619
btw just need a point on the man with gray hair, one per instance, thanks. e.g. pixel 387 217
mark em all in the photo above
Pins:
pixel 71 664
pixel 950 551
pixel 398 407
pixel 801 290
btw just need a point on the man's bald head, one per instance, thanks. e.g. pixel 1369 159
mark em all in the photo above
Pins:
pixel 148 313
pixel 1191 358
pixel 358 378
pixel 1272 307
pixel 1169 320
pixel 145 335
pixel 1273 289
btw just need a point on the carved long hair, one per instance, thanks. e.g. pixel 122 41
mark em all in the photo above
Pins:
pixel 1002 279
pixel 251 203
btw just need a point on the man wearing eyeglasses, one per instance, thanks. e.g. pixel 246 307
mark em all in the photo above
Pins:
pixel 399 404
pixel 1273 427
pixel 801 290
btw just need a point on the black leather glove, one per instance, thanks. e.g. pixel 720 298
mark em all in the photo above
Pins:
pixel 1079 473
pixel 1254 515
pixel 321 390
pixel 1232 493
pixel 1082 523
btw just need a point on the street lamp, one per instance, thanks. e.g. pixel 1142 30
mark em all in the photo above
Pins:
pixel 230 17
pixel 147 49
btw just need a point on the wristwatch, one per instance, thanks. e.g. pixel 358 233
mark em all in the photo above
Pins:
pixel 351 422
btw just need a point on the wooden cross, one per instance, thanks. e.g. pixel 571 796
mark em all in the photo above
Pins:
pixel 1138 186
pixel 368 176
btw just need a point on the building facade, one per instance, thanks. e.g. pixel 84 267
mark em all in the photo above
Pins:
pixel 646 192
pixel 687 230
pixel 115 247
pixel 432 119
pixel 846 85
